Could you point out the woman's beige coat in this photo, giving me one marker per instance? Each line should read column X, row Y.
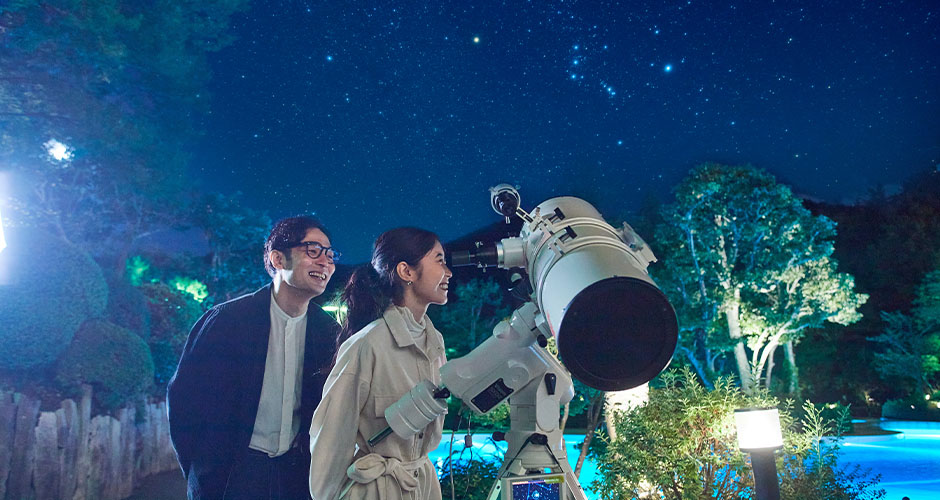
column 374, row 368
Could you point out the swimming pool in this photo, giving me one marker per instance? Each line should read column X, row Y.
column 909, row 462
column 484, row 447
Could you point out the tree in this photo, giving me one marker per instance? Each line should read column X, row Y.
column 236, row 236
column 749, row 268
column 100, row 100
column 911, row 343
column 804, row 296
column 470, row 319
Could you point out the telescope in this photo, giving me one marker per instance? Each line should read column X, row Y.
column 587, row 286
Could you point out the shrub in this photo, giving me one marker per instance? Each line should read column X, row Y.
column 172, row 314
column 682, row 445
column 41, row 312
column 471, row 476
column 813, row 471
column 127, row 307
column 114, row 360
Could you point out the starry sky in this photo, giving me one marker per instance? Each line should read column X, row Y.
column 376, row 114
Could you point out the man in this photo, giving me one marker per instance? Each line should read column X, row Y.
column 251, row 374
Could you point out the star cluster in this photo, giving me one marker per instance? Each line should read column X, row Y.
column 379, row 114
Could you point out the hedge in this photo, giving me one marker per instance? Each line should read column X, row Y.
column 115, row 361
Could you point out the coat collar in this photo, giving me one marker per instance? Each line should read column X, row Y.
column 396, row 325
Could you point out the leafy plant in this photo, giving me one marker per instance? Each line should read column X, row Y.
column 173, row 313
column 682, row 445
column 468, row 474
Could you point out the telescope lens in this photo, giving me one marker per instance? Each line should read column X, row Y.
column 617, row 334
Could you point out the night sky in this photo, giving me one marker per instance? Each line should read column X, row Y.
column 380, row 114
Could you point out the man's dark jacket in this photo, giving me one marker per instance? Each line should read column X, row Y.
column 213, row 398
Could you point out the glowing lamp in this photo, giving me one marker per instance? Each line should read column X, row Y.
column 759, row 435
column 758, row 429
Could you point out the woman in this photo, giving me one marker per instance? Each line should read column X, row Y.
column 388, row 346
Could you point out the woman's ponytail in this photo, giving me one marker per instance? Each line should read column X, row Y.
column 365, row 299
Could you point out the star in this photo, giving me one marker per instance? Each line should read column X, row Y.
column 668, row 68
column 476, row 39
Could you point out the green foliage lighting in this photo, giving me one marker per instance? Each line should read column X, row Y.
column 191, row 286
column 172, row 314
column 137, row 268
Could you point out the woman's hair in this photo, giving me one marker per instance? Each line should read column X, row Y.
column 372, row 288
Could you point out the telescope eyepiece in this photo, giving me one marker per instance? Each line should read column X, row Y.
column 481, row 255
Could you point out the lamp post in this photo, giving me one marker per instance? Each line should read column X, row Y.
column 759, row 435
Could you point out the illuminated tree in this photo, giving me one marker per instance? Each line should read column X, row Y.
column 748, row 269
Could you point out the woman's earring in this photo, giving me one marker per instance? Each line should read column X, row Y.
column 408, row 283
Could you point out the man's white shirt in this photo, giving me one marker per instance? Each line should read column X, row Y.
column 278, row 420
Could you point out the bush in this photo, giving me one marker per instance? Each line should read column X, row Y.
column 172, row 314
column 42, row 310
column 127, row 307
column 114, row 360
column 471, row 476
column 813, row 470
column 682, row 444
column 912, row 408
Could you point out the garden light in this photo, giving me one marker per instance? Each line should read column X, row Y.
column 759, row 435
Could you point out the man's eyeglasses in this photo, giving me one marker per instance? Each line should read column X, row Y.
column 315, row 249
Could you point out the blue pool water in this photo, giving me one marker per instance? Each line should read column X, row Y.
column 909, row 462
column 484, row 447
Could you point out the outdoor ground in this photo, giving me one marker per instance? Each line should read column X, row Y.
column 165, row 486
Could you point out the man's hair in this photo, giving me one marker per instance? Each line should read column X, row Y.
column 287, row 233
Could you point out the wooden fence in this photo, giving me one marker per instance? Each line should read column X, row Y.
column 68, row 454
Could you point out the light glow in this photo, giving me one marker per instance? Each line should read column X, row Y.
column 57, row 150
column 3, row 241
column 758, row 429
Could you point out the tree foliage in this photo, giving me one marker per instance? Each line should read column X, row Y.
column 121, row 84
column 910, row 353
column 236, row 235
column 173, row 313
column 48, row 302
column 749, row 269
column 469, row 320
column 114, row 360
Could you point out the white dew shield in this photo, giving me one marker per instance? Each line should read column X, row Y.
column 615, row 329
